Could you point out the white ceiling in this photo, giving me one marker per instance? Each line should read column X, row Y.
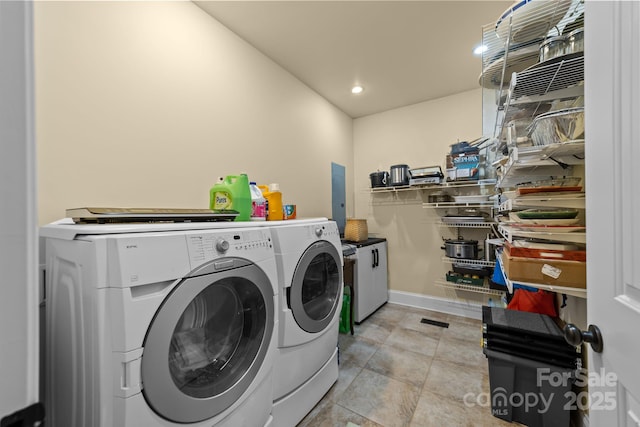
column 402, row 52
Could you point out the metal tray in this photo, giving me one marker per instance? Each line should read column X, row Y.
column 547, row 214
column 460, row 219
column 94, row 215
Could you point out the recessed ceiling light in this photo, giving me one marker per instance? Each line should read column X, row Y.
column 357, row 89
column 480, row 49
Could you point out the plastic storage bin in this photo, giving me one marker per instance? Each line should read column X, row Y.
column 528, row 391
column 531, row 367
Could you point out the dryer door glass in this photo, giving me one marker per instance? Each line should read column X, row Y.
column 207, row 343
column 320, row 286
column 316, row 287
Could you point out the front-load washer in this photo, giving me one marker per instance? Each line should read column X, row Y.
column 309, row 261
column 159, row 328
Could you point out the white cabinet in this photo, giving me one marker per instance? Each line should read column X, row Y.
column 370, row 282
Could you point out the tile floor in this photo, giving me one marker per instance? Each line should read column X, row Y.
column 397, row 371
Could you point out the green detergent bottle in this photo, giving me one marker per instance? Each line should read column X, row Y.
column 232, row 192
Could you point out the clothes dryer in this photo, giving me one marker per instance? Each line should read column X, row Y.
column 310, row 280
column 160, row 325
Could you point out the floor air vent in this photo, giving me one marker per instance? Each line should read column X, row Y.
column 435, row 323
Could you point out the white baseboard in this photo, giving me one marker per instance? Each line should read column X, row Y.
column 458, row 308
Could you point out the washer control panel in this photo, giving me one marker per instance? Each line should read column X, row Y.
column 204, row 247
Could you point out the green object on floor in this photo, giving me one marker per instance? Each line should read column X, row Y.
column 345, row 314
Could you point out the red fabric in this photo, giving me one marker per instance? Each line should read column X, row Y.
column 542, row 302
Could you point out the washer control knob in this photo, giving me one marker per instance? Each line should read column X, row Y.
column 222, row 245
column 318, row 232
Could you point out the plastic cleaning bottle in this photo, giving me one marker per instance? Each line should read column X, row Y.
column 274, row 201
column 258, row 203
column 264, row 189
column 232, row 192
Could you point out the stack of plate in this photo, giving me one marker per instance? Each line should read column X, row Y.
column 554, row 185
column 546, row 216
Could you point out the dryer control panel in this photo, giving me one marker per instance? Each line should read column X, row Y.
column 325, row 231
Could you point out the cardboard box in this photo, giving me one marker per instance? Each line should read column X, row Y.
column 466, row 165
column 289, row 211
column 572, row 274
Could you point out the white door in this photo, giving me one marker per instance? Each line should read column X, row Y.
column 18, row 224
column 612, row 101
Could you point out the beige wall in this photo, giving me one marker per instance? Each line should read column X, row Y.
column 144, row 104
column 417, row 135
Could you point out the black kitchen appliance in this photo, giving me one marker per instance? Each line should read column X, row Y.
column 379, row 179
column 472, row 270
column 466, row 249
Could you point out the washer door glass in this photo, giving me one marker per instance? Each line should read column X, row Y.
column 210, row 335
column 207, row 343
column 316, row 287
